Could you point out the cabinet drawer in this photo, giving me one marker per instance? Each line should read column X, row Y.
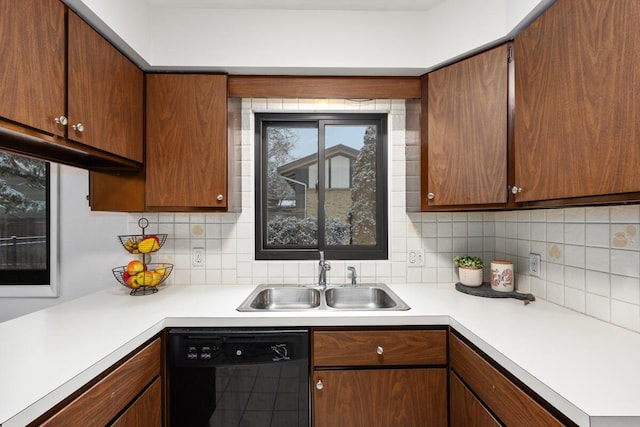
column 99, row 404
column 389, row 347
column 510, row 403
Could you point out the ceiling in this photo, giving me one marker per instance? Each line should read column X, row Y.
column 372, row 5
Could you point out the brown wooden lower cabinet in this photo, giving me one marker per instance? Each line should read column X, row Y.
column 145, row 411
column 131, row 394
column 380, row 397
column 379, row 378
column 506, row 400
column 465, row 410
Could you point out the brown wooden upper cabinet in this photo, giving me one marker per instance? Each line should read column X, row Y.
column 577, row 122
column 464, row 132
column 32, row 69
column 186, row 146
column 106, row 94
column 100, row 105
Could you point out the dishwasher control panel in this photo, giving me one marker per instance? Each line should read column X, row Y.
column 204, row 347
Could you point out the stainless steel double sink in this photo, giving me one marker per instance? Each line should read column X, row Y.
column 294, row 297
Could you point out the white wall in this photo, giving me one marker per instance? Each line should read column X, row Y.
column 128, row 19
column 353, row 42
column 346, row 42
column 89, row 247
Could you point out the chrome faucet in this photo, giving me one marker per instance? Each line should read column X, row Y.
column 353, row 275
column 323, row 267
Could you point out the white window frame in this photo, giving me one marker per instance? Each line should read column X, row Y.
column 51, row 289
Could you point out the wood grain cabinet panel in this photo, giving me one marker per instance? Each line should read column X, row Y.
column 371, row 348
column 577, row 105
column 32, row 69
column 379, row 378
column 108, row 397
column 464, row 132
column 146, row 411
column 186, row 147
column 505, row 399
column 465, row 410
column 106, row 94
column 380, row 398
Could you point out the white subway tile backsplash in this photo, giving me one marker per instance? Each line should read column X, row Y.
column 598, row 283
column 625, row 314
column 575, row 299
column 597, row 259
column 625, row 263
column 626, row 289
column 599, row 307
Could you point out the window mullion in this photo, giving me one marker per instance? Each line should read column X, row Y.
column 321, row 185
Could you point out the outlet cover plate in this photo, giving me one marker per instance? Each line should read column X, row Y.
column 197, row 257
column 534, row 264
column 415, row 258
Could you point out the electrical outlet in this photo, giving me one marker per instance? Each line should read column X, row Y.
column 416, row 258
column 534, row 264
column 197, row 257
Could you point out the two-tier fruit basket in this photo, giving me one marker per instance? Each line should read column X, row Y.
column 142, row 276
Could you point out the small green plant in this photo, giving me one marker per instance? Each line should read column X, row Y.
column 467, row 261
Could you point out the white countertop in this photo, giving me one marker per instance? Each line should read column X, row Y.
column 588, row 369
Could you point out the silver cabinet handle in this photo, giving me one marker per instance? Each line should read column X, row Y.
column 219, row 197
column 380, row 350
column 516, row 190
column 79, row 127
column 431, row 196
column 319, row 385
column 62, row 120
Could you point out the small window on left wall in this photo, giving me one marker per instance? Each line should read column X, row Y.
column 28, row 227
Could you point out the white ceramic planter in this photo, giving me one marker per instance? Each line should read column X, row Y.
column 470, row 276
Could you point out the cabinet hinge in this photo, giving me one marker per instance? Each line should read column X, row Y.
column 510, row 53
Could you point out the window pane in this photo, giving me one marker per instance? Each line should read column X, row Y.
column 23, row 220
column 292, row 178
column 350, row 181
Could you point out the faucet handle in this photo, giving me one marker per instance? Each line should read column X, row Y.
column 352, row 269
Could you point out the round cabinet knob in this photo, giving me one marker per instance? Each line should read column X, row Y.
column 62, row 120
column 380, row 350
column 516, row 190
column 431, row 196
column 78, row 128
column 319, row 385
column 219, row 197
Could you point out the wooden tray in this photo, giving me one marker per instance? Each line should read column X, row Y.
column 485, row 291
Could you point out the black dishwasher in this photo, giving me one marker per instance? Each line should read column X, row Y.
column 238, row 377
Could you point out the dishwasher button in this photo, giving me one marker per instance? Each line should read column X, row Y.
column 192, row 353
column 205, row 353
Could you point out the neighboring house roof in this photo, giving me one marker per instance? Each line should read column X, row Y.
column 336, row 150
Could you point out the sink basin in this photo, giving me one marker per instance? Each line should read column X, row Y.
column 283, row 298
column 311, row 297
column 363, row 298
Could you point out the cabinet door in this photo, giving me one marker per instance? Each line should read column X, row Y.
column 380, row 398
column 106, row 94
column 186, row 152
column 464, row 153
column 577, row 108
column 465, row 410
column 505, row 399
column 146, row 411
column 32, row 71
